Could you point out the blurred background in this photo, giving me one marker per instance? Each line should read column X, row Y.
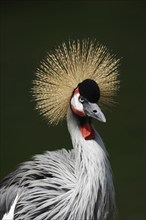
column 28, row 30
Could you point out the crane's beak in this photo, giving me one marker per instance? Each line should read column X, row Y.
column 93, row 110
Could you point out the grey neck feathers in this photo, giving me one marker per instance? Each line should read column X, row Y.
column 95, row 186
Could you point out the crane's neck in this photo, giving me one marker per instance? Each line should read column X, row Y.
column 78, row 127
column 92, row 170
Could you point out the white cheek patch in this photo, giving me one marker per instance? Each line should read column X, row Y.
column 77, row 107
column 75, row 102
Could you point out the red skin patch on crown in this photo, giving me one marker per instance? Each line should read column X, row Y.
column 76, row 91
column 87, row 132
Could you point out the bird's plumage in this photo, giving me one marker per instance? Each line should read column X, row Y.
column 75, row 184
column 67, row 66
column 64, row 185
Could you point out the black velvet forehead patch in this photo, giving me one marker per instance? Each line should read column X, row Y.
column 89, row 89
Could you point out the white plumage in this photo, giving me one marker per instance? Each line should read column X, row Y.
column 10, row 214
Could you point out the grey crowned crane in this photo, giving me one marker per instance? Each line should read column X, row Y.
column 75, row 82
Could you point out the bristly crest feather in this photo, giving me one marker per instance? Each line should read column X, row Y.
column 62, row 70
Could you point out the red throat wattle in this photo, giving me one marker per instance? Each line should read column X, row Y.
column 87, row 132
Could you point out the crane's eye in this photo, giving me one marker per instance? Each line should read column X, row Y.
column 81, row 100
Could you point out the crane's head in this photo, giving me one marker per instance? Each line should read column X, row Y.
column 81, row 74
column 84, row 100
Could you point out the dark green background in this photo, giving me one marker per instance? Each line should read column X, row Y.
column 28, row 30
